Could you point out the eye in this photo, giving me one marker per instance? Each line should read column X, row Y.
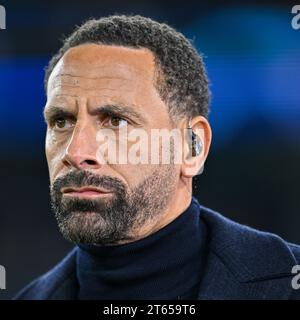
column 61, row 124
column 117, row 122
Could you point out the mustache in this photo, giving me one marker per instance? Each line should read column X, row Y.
column 81, row 178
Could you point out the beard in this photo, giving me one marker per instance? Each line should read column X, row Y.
column 114, row 219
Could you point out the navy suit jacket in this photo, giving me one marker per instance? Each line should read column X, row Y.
column 242, row 263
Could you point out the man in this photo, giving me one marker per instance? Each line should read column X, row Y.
column 138, row 231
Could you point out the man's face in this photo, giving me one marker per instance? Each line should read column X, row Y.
column 91, row 88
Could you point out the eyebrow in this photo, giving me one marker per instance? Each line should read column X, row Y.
column 125, row 111
column 52, row 112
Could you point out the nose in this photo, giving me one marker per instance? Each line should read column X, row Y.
column 81, row 150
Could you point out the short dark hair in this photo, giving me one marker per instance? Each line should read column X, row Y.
column 181, row 78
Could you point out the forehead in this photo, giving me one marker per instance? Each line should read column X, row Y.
column 93, row 75
column 91, row 65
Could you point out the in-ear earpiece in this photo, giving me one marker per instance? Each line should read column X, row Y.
column 196, row 145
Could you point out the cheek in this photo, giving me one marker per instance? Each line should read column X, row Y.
column 133, row 174
column 49, row 146
column 54, row 154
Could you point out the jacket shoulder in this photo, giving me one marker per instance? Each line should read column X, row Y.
column 58, row 283
column 296, row 251
column 245, row 263
column 249, row 253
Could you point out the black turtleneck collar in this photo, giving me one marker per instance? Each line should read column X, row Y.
column 167, row 264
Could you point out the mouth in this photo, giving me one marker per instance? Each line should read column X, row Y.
column 85, row 192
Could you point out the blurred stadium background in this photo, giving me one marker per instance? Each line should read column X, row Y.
column 252, row 173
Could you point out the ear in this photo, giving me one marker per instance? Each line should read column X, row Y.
column 191, row 165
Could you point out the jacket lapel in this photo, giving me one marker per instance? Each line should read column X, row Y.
column 219, row 283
